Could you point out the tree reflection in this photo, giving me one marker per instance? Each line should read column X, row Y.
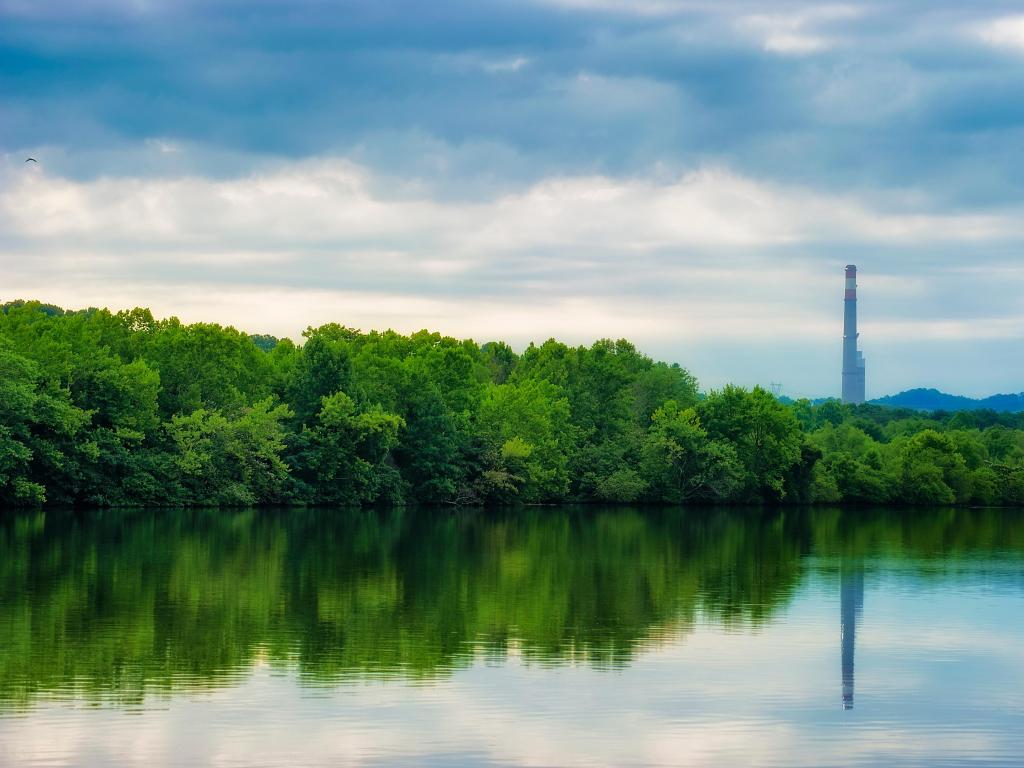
column 115, row 605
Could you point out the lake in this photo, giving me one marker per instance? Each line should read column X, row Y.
column 547, row 636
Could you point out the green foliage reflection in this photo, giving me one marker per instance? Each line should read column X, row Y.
column 118, row 605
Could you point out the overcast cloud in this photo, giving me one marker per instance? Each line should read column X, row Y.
column 692, row 175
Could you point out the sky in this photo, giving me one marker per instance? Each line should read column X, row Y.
column 689, row 174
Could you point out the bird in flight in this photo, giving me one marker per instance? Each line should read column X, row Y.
column 32, row 160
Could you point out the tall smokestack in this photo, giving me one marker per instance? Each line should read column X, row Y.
column 853, row 360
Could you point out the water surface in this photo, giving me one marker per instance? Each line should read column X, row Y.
column 555, row 636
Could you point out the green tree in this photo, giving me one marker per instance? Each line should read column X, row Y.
column 231, row 461
column 931, row 470
column 18, row 379
column 764, row 434
column 323, row 368
column 528, row 424
column 681, row 463
column 346, row 452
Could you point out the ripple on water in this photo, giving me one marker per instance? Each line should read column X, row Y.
column 675, row 638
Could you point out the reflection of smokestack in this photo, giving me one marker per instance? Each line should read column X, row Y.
column 851, row 605
column 853, row 361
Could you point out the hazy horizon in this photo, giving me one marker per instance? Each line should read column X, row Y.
column 691, row 176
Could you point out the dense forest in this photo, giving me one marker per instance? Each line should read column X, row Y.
column 112, row 409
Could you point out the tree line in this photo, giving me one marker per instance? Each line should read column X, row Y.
column 113, row 409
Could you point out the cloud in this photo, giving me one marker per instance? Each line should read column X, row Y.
column 325, row 202
column 797, row 33
column 506, row 65
column 711, row 258
column 629, row 7
column 641, row 159
column 684, row 83
column 1006, row 32
column 164, row 146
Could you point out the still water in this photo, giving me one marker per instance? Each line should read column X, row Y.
column 544, row 637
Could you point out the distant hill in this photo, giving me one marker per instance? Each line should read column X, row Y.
column 933, row 400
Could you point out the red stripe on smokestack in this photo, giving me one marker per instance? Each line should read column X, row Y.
column 851, row 293
column 851, row 270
